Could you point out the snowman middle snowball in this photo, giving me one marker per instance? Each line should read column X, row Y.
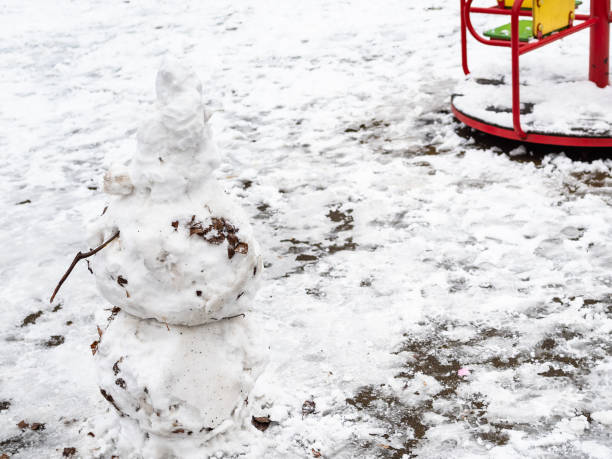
column 186, row 254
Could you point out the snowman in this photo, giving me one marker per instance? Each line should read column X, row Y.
column 178, row 358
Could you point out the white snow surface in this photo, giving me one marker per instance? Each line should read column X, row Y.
column 399, row 248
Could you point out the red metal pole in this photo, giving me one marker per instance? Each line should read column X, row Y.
column 600, row 43
column 516, row 98
column 464, row 60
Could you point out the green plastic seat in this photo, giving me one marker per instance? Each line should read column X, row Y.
column 503, row 32
column 525, row 29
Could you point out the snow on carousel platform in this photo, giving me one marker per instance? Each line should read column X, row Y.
column 553, row 109
column 540, row 103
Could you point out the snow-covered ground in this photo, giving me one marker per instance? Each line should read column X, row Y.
column 398, row 248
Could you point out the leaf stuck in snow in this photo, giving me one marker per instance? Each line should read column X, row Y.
column 69, row 452
column 308, row 407
column 261, row 423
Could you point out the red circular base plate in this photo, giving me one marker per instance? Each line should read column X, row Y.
column 546, row 139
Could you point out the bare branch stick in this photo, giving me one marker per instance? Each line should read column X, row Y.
column 79, row 256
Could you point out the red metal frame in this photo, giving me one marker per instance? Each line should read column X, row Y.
column 600, row 43
column 533, row 137
column 598, row 21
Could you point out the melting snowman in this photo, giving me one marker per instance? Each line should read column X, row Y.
column 178, row 358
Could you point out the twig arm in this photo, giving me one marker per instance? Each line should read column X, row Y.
column 79, row 256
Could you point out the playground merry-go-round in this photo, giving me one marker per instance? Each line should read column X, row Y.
column 547, row 107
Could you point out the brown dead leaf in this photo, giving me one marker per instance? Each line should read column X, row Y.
column 261, row 423
column 308, row 407
column 31, row 318
column 122, row 280
column 37, row 426
column 232, row 240
column 175, row 225
column 23, row 425
column 242, row 248
column 219, row 231
column 116, row 368
column 218, row 223
column 94, row 347
column 54, row 340
column 109, row 398
column 100, row 332
column 218, row 239
column 69, row 452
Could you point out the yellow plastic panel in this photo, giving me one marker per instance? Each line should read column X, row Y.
column 551, row 15
column 510, row 3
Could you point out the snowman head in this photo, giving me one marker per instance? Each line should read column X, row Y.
column 174, row 78
column 175, row 147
